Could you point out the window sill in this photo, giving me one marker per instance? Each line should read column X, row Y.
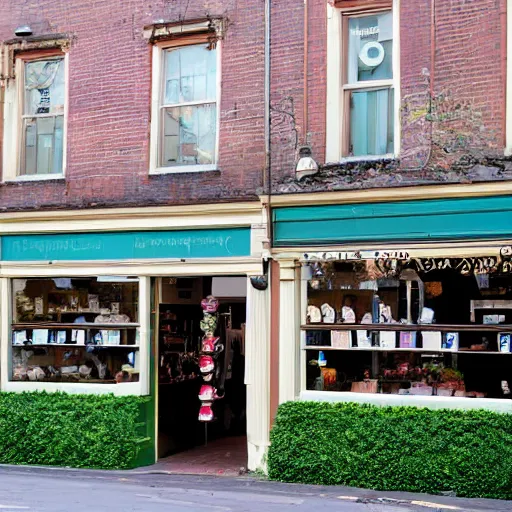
column 183, row 169
column 430, row 402
column 367, row 158
column 35, row 177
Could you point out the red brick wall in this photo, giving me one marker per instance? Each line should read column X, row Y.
column 109, row 103
column 468, row 85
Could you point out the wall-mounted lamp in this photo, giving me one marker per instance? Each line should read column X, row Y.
column 23, row 31
column 306, row 166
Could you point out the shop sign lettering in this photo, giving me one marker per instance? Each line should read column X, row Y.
column 355, row 255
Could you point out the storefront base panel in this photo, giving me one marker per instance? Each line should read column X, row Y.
column 430, row 402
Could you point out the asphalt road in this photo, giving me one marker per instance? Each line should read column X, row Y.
column 45, row 490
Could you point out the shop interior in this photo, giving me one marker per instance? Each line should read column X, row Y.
column 80, row 329
column 201, row 361
column 426, row 326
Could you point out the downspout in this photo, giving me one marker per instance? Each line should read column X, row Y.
column 268, row 160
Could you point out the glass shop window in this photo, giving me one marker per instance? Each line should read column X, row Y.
column 432, row 327
column 368, row 85
column 189, row 106
column 75, row 330
column 42, row 120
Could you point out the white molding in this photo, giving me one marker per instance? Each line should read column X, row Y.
column 257, row 375
column 144, row 334
column 124, row 389
column 5, row 330
column 35, row 177
column 508, row 93
column 430, row 402
column 158, row 267
column 183, row 169
column 334, row 85
column 134, row 219
column 289, row 333
column 12, row 132
column 397, row 78
column 410, row 193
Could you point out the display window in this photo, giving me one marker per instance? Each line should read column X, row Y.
column 409, row 326
column 75, row 330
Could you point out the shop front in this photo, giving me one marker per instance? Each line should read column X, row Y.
column 120, row 302
column 397, row 303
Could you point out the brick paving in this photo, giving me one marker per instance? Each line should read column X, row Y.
column 222, row 457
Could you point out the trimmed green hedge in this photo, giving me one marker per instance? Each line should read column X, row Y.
column 57, row 429
column 393, row 448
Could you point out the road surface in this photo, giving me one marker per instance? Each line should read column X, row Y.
column 51, row 490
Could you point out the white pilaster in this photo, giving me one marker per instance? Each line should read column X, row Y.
column 289, row 330
column 257, row 375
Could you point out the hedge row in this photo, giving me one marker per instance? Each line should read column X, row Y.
column 56, row 429
column 393, row 448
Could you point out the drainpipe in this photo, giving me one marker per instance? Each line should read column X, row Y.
column 268, row 171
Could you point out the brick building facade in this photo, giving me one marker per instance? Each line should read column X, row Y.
column 452, row 95
column 110, row 97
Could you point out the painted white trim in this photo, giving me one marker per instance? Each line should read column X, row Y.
column 156, row 121
column 218, row 266
column 508, row 93
column 35, row 177
column 135, row 219
column 144, row 334
column 257, row 375
column 184, row 169
column 12, row 133
column 335, row 86
column 430, row 402
column 397, row 77
column 333, row 119
column 124, row 389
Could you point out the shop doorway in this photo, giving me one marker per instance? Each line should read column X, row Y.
column 186, row 442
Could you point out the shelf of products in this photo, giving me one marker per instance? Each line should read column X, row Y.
column 75, row 330
column 394, row 327
column 397, row 349
column 406, row 327
column 81, row 325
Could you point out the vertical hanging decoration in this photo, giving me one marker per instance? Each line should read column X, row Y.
column 210, row 349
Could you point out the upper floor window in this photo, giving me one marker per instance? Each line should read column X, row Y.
column 363, row 78
column 368, row 85
column 42, row 117
column 34, row 111
column 185, row 119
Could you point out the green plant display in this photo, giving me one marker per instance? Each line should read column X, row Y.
column 57, row 429
column 393, row 448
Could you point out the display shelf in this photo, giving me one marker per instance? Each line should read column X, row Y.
column 72, row 345
column 399, row 349
column 85, row 325
column 408, row 327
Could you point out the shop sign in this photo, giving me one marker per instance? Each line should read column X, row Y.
column 355, row 255
column 200, row 243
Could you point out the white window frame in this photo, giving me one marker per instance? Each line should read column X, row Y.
column 337, row 115
column 508, row 92
column 13, row 121
column 158, row 70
